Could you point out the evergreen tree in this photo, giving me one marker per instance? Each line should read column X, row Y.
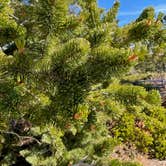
column 56, row 104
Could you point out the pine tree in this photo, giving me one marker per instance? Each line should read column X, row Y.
column 56, row 104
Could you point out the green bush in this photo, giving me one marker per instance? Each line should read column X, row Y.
column 118, row 163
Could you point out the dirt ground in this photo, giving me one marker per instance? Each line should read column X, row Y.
column 128, row 153
column 150, row 162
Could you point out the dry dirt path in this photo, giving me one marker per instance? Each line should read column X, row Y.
column 125, row 153
column 150, row 162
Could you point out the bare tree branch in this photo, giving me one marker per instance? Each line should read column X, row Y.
column 22, row 139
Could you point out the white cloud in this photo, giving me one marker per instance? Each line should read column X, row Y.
column 159, row 8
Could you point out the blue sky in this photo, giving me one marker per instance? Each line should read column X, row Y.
column 130, row 9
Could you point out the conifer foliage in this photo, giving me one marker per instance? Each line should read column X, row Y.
column 59, row 99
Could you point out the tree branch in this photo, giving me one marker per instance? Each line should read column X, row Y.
column 21, row 138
